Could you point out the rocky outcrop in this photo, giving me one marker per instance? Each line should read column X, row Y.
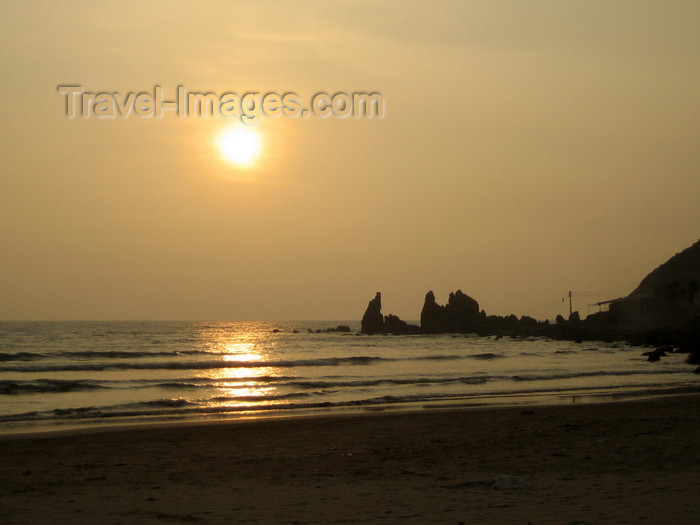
column 394, row 325
column 431, row 315
column 374, row 323
column 373, row 320
column 694, row 358
column 340, row 328
column 460, row 314
column 668, row 299
column 664, row 309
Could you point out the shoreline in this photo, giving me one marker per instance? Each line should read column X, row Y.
column 593, row 396
column 31, row 429
column 614, row 462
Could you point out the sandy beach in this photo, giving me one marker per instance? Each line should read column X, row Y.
column 627, row 462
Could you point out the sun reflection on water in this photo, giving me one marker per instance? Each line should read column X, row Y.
column 246, row 384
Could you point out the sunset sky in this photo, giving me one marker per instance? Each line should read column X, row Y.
column 527, row 148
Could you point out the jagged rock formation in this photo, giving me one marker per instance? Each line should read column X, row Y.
column 460, row 314
column 663, row 309
column 373, row 321
column 431, row 314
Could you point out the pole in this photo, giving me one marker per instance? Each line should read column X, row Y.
column 571, row 310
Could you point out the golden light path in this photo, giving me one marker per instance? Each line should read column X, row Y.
column 238, row 386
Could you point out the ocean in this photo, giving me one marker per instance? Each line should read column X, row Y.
column 59, row 374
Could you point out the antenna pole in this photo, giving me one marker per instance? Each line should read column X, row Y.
column 571, row 310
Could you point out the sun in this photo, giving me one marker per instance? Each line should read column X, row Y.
column 240, row 147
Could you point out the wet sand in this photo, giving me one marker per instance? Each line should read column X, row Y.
column 628, row 462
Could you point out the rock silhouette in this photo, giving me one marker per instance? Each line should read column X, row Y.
column 460, row 314
column 394, row 325
column 663, row 309
column 667, row 301
column 431, row 315
column 373, row 321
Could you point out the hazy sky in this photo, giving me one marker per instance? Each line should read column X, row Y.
column 528, row 148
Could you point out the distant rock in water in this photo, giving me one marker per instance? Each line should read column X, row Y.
column 460, row 314
column 694, row 358
column 431, row 315
column 339, row 328
column 394, row 325
column 373, row 320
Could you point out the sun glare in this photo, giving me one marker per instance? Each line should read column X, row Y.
column 240, row 147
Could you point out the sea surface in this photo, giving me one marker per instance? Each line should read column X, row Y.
column 58, row 374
